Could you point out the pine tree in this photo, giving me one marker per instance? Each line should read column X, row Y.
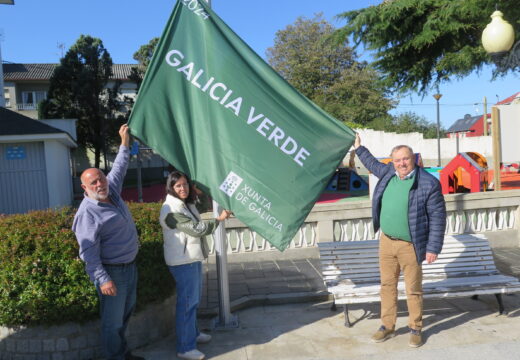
column 420, row 43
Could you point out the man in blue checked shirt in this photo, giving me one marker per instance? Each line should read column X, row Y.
column 108, row 244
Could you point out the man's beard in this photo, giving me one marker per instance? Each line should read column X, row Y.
column 98, row 197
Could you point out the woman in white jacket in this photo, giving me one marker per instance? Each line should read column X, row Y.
column 183, row 252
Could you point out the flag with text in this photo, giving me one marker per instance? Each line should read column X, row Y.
column 211, row 107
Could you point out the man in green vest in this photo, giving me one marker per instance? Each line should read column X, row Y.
column 408, row 206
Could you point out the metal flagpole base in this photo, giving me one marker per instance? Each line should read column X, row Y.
column 232, row 323
column 224, row 320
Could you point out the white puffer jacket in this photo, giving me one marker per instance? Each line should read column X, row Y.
column 176, row 241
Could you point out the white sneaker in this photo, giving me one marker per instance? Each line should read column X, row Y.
column 203, row 338
column 191, row 355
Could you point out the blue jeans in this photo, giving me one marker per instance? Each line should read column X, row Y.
column 116, row 310
column 188, row 279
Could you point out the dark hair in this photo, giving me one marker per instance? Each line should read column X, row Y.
column 175, row 176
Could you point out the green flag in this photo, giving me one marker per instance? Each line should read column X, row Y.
column 211, row 107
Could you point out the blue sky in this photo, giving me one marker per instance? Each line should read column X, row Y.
column 34, row 29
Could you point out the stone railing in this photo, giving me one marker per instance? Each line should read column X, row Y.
column 352, row 221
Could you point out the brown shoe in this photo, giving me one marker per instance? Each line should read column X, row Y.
column 383, row 334
column 415, row 338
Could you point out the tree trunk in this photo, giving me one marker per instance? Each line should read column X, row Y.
column 97, row 156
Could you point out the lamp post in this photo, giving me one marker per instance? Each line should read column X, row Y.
column 437, row 98
column 497, row 39
column 2, row 99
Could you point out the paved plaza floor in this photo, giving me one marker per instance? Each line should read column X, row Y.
column 454, row 329
column 306, row 328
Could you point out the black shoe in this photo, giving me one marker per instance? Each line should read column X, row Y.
column 130, row 356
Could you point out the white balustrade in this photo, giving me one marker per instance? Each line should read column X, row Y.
column 352, row 221
column 22, row 107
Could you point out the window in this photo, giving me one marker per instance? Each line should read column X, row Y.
column 30, row 99
column 7, row 97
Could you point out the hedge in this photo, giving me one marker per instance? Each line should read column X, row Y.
column 43, row 280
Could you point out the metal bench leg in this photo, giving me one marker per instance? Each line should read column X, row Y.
column 501, row 308
column 347, row 320
column 333, row 306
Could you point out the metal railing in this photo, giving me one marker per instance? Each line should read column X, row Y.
column 352, row 221
column 22, row 107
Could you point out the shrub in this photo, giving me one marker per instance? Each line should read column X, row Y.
column 43, row 280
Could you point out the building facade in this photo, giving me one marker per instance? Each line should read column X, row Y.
column 35, row 163
column 26, row 85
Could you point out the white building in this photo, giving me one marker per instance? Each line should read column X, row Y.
column 35, row 163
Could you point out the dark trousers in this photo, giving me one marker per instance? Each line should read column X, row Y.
column 116, row 310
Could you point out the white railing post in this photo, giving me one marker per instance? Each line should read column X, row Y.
column 325, row 230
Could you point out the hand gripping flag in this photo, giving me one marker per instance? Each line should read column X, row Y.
column 211, row 107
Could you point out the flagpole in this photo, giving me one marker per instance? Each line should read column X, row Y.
column 224, row 319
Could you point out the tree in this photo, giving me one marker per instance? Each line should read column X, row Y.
column 419, row 43
column 143, row 55
column 329, row 73
column 78, row 89
column 411, row 122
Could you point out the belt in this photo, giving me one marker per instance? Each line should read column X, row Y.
column 123, row 264
column 393, row 238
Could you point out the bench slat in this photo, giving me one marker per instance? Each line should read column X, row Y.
column 374, row 253
column 432, row 285
column 361, row 262
column 374, row 277
column 449, row 240
column 349, row 267
column 371, row 298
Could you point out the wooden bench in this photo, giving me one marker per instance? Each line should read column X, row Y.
column 465, row 267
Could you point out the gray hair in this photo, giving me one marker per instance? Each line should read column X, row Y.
column 399, row 147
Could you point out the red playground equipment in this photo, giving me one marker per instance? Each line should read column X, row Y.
column 467, row 172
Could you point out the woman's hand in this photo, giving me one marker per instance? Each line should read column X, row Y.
column 224, row 215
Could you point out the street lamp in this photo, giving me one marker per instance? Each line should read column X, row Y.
column 497, row 39
column 2, row 99
column 437, row 98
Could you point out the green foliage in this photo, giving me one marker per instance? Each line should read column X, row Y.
column 406, row 123
column 328, row 73
column 143, row 55
column 155, row 282
column 78, row 90
column 42, row 279
column 418, row 43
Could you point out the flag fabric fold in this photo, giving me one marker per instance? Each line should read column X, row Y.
column 210, row 106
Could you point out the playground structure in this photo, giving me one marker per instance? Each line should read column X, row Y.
column 346, row 179
column 467, row 172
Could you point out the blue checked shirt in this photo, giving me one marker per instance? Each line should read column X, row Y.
column 106, row 232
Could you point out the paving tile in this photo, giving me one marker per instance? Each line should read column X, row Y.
column 272, row 274
column 269, row 265
column 284, row 263
column 253, row 274
column 251, row 266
